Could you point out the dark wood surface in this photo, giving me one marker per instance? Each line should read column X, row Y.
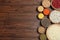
column 18, row 19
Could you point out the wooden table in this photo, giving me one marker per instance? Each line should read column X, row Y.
column 18, row 19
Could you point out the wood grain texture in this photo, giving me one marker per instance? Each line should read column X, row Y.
column 18, row 19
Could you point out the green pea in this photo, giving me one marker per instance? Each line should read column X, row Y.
column 43, row 37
